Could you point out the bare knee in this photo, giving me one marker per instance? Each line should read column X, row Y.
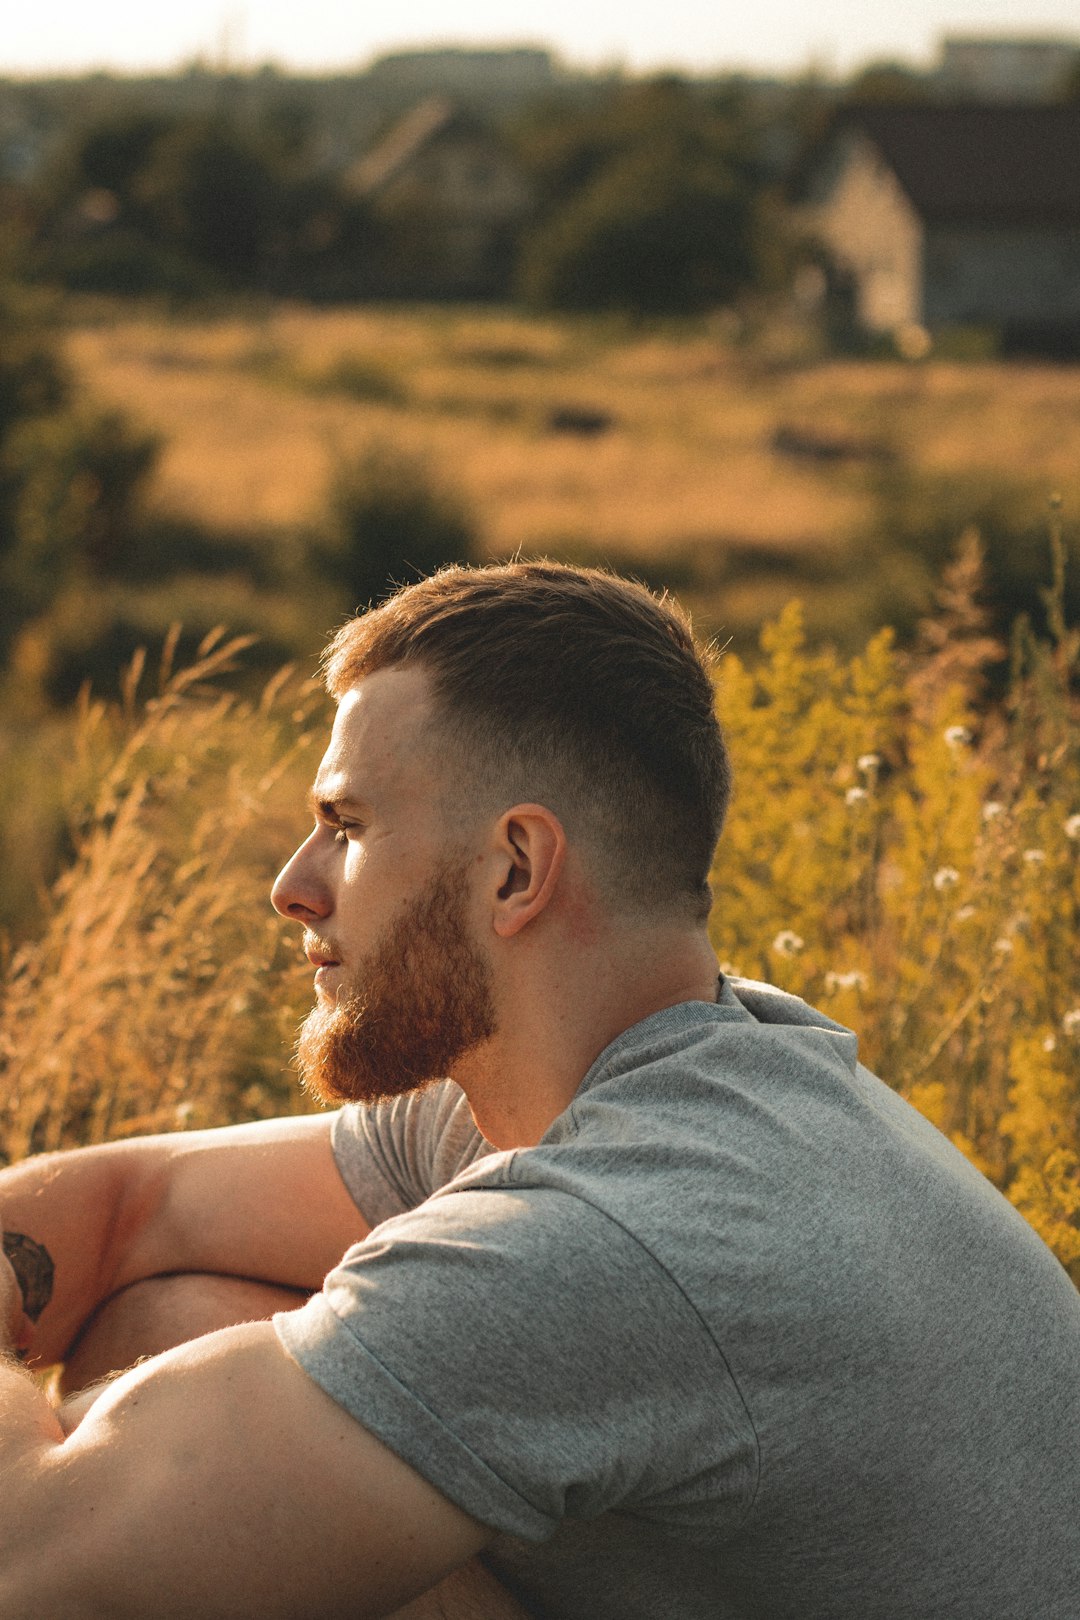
column 160, row 1312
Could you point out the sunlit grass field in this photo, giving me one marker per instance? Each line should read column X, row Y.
column 735, row 466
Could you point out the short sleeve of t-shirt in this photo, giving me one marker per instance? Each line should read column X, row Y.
column 395, row 1154
column 525, row 1353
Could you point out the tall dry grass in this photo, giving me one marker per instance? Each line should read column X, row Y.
column 900, row 851
column 906, row 857
column 162, row 991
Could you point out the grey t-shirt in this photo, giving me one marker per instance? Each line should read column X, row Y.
column 743, row 1335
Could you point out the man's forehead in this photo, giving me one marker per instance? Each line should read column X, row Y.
column 378, row 732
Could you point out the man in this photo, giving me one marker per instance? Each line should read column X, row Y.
column 663, row 1307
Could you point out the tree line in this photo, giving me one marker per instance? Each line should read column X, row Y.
column 650, row 196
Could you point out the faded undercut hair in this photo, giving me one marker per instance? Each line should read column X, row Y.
column 571, row 688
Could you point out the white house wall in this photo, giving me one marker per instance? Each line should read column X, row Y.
column 871, row 231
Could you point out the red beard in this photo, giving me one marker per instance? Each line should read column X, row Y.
column 424, row 1000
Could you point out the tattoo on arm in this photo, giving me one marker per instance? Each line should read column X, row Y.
column 32, row 1264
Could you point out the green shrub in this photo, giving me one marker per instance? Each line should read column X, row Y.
column 923, row 520
column 388, row 521
column 126, row 262
column 360, row 379
column 33, row 380
column 81, row 479
column 88, row 637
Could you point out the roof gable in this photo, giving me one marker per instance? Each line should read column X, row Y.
column 990, row 165
column 432, row 120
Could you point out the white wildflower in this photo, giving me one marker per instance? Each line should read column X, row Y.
column 844, row 981
column 787, row 943
column 1034, row 857
column 957, row 736
column 965, row 913
column 868, row 763
column 182, row 1113
column 856, row 795
column 992, row 809
column 1072, row 827
column 1050, row 1043
column 945, row 877
column 1071, row 1021
column 1003, row 945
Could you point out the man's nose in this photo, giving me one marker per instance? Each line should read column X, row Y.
column 299, row 892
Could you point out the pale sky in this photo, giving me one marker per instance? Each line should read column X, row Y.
column 699, row 35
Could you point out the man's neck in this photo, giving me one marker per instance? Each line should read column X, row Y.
column 554, row 1028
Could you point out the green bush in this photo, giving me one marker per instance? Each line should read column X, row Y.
column 126, row 262
column 89, row 636
column 71, row 480
column 388, row 522
column 81, row 477
column 358, row 378
column 923, row 519
column 33, row 380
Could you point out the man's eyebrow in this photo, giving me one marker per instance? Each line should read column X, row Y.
column 324, row 808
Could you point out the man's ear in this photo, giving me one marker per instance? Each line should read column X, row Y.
column 530, row 850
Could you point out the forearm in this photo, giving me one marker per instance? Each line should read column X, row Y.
column 67, row 1214
column 263, row 1201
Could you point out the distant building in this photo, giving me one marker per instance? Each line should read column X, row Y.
column 449, row 200
column 938, row 215
column 24, row 135
column 1006, row 69
column 512, row 72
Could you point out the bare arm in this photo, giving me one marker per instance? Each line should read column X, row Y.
column 263, row 1201
column 227, row 1447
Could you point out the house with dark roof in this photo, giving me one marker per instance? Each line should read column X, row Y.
column 448, row 199
column 948, row 215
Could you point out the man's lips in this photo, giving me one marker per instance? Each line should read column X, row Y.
column 323, row 976
column 323, row 961
column 319, row 953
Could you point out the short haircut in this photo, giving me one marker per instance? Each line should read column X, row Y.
column 571, row 688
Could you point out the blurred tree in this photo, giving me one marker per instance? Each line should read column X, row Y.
column 645, row 235
column 73, row 485
column 653, row 202
column 139, row 201
column 107, row 155
column 34, row 387
column 211, row 193
column 889, row 81
column 81, row 478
